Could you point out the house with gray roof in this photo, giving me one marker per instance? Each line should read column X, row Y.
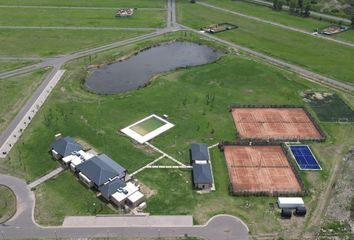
column 64, row 147
column 99, row 170
column 108, row 189
column 202, row 176
column 199, row 152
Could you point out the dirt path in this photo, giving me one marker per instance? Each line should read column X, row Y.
column 323, row 199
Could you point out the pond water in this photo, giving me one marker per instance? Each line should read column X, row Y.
column 137, row 70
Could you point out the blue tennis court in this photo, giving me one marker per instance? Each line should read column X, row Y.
column 304, row 157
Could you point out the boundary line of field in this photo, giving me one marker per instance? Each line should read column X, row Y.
column 78, row 8
column 81, row 28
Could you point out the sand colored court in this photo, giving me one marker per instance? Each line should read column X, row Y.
column 276, row 123
column 260, row 169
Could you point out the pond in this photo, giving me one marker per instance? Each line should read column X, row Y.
column 137, row 70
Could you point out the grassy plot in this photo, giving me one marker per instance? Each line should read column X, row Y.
column 322, row 56
column 79, row 18
column 329, row 107
column 34, row 42
column 7, row 203
column 147, row 126
column 11, row 65
column 85, row 3
column 57, row 192
column 15, row 91
column 263, row 12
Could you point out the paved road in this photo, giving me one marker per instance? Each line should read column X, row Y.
column 312, row 13
column 81, row 28
column 294, row 68
column 277, row 24
column 22, row 225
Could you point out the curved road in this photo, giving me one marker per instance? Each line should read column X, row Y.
column 22, row 224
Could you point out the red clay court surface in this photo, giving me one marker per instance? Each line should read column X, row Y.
column 276, row 123
column 260, row 169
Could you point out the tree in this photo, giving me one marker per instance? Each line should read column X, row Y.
column 292, row 6
column 278, row 5
column 307, row 8
column 192, row 1
column 352, row 18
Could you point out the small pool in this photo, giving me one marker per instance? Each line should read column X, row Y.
column 136, row 71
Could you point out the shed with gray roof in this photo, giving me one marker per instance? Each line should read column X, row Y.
column 202, row 176
column 199, row 152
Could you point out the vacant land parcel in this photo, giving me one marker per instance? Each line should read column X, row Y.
column 59, row 17
column 85, row 3
column 274, row 123
column 329, row 107
column 260, row 169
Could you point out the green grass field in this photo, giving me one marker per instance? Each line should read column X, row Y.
column 85, row 3
column 57, row 191
column 7, row 203
column 11, row 65
column 15, row 91
column 147, row 126
column 34, row 42
column 322, row 56
column 79, row 18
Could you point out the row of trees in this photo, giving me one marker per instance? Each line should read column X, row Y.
column 297, row 7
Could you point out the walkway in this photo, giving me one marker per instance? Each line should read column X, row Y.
column 46, row 177
column 129, row 221
column 277, row 24
column 165, row 154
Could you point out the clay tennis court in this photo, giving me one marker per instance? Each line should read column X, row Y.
column 275, row 123
column 260, row 169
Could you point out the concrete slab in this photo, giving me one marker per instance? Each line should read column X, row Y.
column 128, row 221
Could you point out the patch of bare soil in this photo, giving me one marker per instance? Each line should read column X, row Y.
column 148, row 192
column 339, row 204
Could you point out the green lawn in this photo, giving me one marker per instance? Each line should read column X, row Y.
column 34, row 42
column 15, row 91
column 283, row 17
column 7, row 203
column 7, row 65
column 235, row 78
column 79, row 18
column 57, row 191
column 147, row 126
column 91, row 3
column 322, row 56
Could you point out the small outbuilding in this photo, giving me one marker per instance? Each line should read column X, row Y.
column 64, row 147
column 202, row 176
column 286, row 213
column 300, row 211
column 199, row 153
column 290, row 202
